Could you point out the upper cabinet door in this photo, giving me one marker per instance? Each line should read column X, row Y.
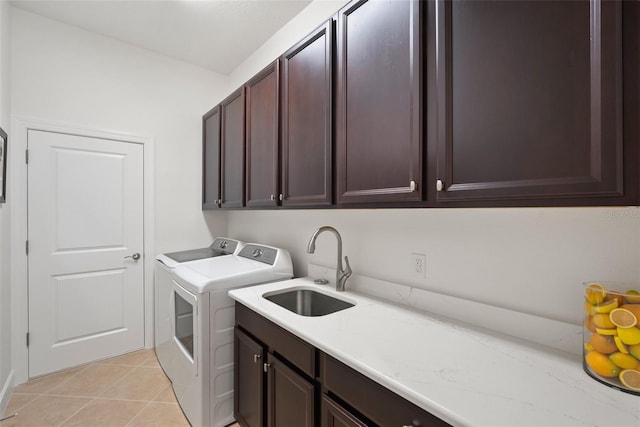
column 528, row 100
column 232, row 150
column 211, row 159
column 263, row 101
column 378, row 108
column 307, row 120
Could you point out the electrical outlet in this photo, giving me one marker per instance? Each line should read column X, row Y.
column 419, row 265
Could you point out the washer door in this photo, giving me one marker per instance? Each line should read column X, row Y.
column 185, row 326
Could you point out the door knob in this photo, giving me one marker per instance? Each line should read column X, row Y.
column 135, row 256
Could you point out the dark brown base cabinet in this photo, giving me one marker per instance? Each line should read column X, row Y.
column 282, row 381
column 249, row 384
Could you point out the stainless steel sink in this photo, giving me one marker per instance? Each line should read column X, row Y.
column 307, row 302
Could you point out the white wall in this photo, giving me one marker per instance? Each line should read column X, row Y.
column 64, row 74
column 529, row 259
column 5, row 286
column 533, row 260
column 302, row 24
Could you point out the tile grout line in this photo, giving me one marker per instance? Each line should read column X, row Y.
column 79, row 409
column 136, row 414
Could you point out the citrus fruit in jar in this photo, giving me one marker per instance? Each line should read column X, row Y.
column 634, row 308
column 630, row 378
column 624, row 361
column 634, row 350
column 602, row 321
column 595, row 293
column 632, row 296
column 622, row 347
column 623, row 318
column 601, row 364
column 616, row 295
column 603, row 344
column 588, row 324
column 606, row 306
column 629, row 336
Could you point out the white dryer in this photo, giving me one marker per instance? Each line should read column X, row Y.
column 163, row 295
column 203, row 343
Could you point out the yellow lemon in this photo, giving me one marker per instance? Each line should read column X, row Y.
column 629, row 336
column 624, row 361
column 595, row 293
column 617, row 295
column 634, row 350
column 607, row 331
column 623, row 318
column 606, row 306
column 601, row 364
column 630, row 378
column 621, row 346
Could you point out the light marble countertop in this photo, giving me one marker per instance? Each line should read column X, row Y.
column 466, row 376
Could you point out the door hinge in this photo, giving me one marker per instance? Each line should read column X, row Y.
column 27, row 339
column 26, row 247
column 26, row 156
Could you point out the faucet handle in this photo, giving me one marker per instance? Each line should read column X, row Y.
column 347, row 271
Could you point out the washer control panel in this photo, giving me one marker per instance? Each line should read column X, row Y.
column 260, row 253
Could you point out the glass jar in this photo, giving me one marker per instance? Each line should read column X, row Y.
column 611, row 334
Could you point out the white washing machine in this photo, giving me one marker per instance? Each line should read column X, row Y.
column 163, row 295
column 203, row 343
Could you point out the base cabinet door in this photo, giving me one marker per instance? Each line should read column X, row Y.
column 249, row 384
column 290, row 397
column 334, row 415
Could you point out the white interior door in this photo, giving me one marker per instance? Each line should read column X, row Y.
column 85, row 221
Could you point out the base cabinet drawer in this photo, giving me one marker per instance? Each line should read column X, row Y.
column 335, row 415
column 379, row 405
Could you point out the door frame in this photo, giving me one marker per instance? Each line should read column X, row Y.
column 18, row 234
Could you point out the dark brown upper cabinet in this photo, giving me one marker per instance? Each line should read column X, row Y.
column 527, row 103
column 307, row 132
column 211, row 159
column 263, row 114
column 378, row 102
column 232, row 150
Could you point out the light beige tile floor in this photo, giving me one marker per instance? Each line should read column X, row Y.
column 128, row 390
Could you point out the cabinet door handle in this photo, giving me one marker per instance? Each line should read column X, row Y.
column 281, row 197
column 413, row 186
column 273, row 198
column 266, row 367
column 439, row 185
column 256, row 357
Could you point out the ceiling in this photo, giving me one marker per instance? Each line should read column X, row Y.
column 214, row 34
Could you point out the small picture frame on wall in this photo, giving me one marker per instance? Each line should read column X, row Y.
column 3, row 166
